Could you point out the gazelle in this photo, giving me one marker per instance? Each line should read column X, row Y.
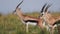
column 29, row 19
column 49, row 19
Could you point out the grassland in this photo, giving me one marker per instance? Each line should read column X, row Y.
column 11, row 24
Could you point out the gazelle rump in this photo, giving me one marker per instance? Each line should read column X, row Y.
column 29, row 19
column 49, row 19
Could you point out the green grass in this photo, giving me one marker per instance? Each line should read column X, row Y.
column 11, row 24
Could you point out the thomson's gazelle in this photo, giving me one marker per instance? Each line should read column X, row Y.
column 29, row 19
column 49, row 19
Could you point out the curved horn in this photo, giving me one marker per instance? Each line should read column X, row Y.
column 47, row 8
column 19, row 4
column 43, row 7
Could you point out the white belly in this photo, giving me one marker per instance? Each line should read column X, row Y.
column 30, row 23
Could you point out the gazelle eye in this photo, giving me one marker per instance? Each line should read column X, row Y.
column 42, row 14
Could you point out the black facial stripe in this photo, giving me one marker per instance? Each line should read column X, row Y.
column 33, row 21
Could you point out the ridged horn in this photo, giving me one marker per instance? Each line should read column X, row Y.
column 47, row 7
column 43, row 7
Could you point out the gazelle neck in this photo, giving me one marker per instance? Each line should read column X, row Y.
column 19, row 13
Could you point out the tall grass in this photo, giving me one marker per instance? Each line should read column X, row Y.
column 11, row 24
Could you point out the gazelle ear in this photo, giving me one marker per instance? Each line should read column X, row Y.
column 43, row 7
column 47, row 7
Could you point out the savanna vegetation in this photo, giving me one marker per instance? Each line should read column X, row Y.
column 11, row 24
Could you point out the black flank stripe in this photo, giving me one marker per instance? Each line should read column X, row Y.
column 57, row 22
column 33, row 21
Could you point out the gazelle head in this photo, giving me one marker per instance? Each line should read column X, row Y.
column 17, row 8
column 46, row 16
column 44, row 12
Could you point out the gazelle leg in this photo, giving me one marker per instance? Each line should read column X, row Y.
column 26, row 27
column 52, row 30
